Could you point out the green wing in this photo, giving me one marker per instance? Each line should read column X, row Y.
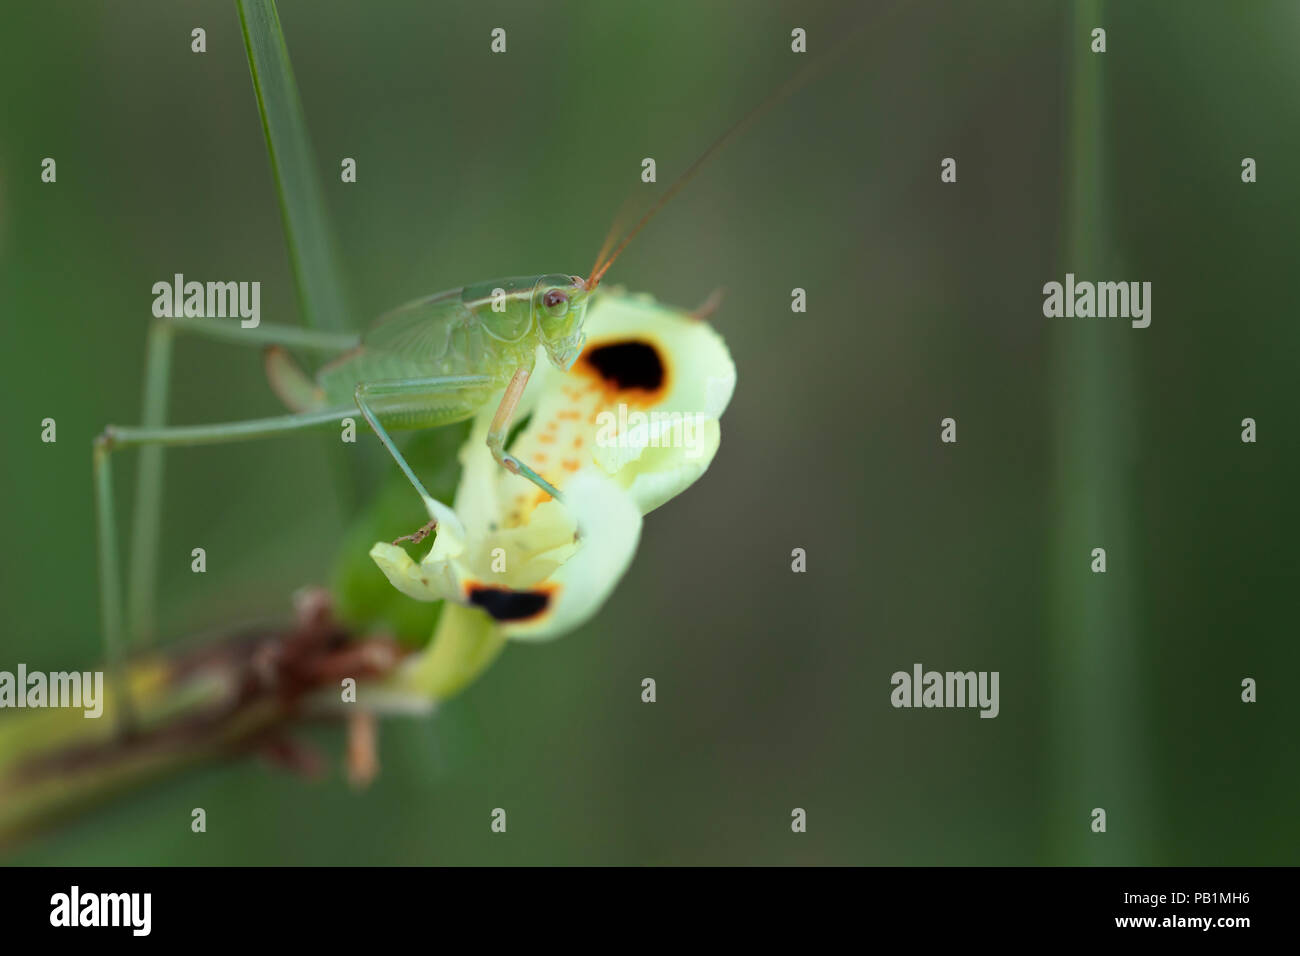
column 421, row 331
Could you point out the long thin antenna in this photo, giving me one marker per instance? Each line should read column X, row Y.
column 610, row 237
column 804, row 75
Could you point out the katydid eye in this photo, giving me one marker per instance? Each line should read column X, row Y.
column 556, row 303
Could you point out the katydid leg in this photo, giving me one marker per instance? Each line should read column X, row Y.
column 501, row 429
column 110, row 583
column 142, row 570
column 266, row 333
column 451, row 394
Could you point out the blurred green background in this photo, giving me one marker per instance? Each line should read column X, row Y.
column 925, row 301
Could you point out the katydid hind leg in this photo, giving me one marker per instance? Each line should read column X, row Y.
column 142, row 567
column 110, row 584
column 264, row 334
column 115, row 631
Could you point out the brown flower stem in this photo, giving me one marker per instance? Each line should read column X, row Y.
column 224, row 698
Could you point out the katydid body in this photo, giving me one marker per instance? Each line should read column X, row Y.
column 429, row 363
column 438, row 360
column 491, row 328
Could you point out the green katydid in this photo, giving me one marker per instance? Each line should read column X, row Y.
column 433, row 362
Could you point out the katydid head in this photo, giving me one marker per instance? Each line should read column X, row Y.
column 560, row 305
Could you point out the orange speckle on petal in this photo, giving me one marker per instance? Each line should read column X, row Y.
column 570, row 464
column 571, row 414
column 544, row 437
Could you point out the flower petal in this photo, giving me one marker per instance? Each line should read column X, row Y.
column 434, row 578
column 609, row 527
column 652, row 356
column 643, row 361
column 656, row 467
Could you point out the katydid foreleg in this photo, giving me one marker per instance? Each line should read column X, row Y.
column 496, row 440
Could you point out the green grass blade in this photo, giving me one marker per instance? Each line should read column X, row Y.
column 1097, row 717
column 302, row 204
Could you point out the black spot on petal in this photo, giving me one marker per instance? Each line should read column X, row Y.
column 627, row 365
column 507, row 605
